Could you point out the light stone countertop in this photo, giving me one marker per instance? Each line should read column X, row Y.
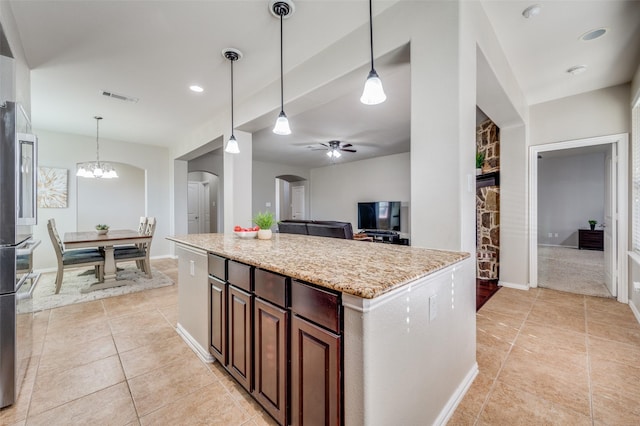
column 360, row 268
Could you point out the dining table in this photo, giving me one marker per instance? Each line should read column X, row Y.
column 106, row 241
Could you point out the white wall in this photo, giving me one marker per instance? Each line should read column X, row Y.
column 571, row 191
column 634, row 272
column 118, row 203
column 336, row 190
column 264, row 184
column 597, row 113
column 64, row 150
column 212, row 162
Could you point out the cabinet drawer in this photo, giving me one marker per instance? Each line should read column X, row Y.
column 239, row 275
column 319, row 306
column 271, row 287
column 217, row 266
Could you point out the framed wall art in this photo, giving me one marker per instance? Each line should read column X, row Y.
column 52, row 187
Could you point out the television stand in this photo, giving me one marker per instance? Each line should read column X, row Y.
column 388, row 237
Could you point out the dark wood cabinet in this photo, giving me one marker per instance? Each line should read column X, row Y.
column 218, row 319
column 591, row 240
column 239, row 328
column 315, row 374
column 270, row 358
column 280, row 339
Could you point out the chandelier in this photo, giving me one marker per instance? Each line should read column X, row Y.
column 97, row 169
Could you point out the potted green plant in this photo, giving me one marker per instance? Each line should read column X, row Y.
column 102, row 229
column 592, row 224
column 479, row 162
column 264, row 221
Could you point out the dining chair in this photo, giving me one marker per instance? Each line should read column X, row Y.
column 68, row 259
column 140, row 252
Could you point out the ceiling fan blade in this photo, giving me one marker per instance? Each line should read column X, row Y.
column 348, row 150
column 324, row 144
column 347, row 145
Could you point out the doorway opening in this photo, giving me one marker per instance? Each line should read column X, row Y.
column 572, row 184
column 202, row 203
column 291, row 198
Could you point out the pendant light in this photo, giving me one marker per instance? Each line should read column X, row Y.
column 232, row 55
column 282, row 9
column 97, row 169
column 373, row 92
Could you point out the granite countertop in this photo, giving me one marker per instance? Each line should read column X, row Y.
column 359, row 268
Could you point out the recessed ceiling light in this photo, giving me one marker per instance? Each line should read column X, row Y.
column 531, row 11
column 196, row 89
column 578, row 69
column 593, row 34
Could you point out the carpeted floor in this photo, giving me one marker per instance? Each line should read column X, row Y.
column 572, row 270
column 75, row 280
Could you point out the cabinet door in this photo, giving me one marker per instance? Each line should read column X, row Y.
column 270, row 358
column 218, row 319
column 239, row 334
column 315, row 374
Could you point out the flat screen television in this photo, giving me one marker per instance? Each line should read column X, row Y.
column 379, row 216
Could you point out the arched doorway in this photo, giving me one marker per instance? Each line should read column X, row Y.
column 118, row 203
column 202, row 202
column 291, row 198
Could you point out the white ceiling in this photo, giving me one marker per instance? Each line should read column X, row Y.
column 154, row 50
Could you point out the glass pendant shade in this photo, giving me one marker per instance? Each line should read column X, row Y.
column 373, row 92
column 282, row 125
column 232, row 146
column 334, row 153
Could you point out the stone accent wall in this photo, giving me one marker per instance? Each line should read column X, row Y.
column 488, row 204
column 488, row 232
column 488, row 141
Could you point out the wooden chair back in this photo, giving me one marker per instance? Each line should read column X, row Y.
column 55, row 239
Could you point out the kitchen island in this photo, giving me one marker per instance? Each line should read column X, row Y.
column 337, row 331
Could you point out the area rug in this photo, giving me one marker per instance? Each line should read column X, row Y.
column 75, row 280
column 572, row 270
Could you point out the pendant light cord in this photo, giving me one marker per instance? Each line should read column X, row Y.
column 231, row 96
column 371, row 32
column 98, row 141
column 281, row 67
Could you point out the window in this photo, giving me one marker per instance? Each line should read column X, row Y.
column 635, row 178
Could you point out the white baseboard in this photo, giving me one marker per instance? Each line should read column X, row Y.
column 635, row 310
column 456, row 398
column 202, row 353
column 513, row 285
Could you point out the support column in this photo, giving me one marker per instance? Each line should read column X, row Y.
column 237, row 183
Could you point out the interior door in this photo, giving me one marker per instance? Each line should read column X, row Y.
column 297, row 202
column 193, row 208
column 610, row 220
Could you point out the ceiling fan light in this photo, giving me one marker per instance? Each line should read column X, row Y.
column 282, row 125
column 336, row 154
column 373, row 92
column 232, row 146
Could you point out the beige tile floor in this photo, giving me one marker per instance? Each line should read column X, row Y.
column 552, row 358
column 545, row 358
column 119, row 361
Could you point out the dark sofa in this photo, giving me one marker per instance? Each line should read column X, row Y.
column 319, row 228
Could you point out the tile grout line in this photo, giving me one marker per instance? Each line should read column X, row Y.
column 586, row 341
column 495, row 380
column 124, row 374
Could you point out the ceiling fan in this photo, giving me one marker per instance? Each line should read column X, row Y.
column 335, row 147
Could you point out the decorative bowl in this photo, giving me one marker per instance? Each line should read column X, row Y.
column 247, row 234
column 101, row 231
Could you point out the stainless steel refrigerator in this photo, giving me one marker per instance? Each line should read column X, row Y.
column 18, row 162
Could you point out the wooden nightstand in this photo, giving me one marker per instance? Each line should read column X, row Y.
column 591, row 240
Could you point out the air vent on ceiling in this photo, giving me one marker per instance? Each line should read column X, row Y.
column 118, row 96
